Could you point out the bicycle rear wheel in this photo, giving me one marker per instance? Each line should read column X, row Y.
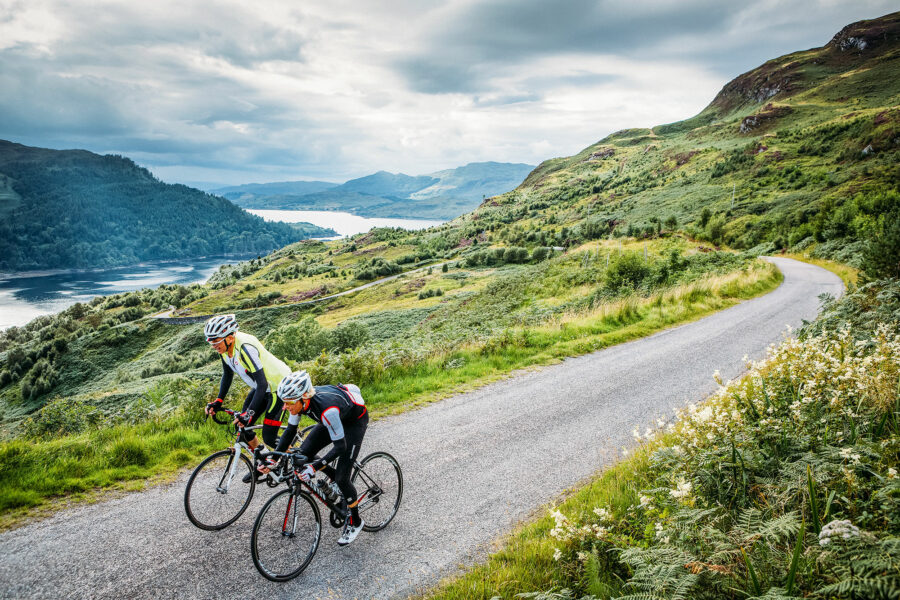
column 213, row 499
column 285, row 535
column 381, row 489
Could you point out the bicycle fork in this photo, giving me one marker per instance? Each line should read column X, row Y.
column 229, row 477
column 287, row 516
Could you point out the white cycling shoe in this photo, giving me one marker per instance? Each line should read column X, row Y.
column 350, row 533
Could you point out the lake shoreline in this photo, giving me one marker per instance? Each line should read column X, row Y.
column 344, row 223
column 52, row 272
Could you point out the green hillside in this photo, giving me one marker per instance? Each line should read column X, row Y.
column 76, row 209
column 801, row 151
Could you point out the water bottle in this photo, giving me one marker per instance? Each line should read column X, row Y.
column 333, row 493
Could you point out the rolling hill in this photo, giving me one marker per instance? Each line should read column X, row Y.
column 77, row 209
column 802, row 152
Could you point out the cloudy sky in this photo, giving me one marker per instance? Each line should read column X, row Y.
column 230, row 92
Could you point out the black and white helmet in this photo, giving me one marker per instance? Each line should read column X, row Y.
column 220, row 326
column 294, row 385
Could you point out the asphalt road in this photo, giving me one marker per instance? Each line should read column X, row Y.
column 474, row 465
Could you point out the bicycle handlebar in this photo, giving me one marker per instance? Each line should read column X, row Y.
column 227, row 411
column 298, row 459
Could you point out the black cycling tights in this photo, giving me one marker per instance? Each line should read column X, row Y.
column 271, row 421
column 318, row 438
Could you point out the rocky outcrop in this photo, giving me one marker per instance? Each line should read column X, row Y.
column 790, row 74
column 763, row 118
column 601, row 154
column 866, row 36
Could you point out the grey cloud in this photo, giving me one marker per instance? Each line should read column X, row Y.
column 117, row 33
column 510, row 32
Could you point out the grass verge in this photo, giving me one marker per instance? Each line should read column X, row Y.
column 34, row 476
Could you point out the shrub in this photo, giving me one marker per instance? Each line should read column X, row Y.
column 61, row 416
column 881, row 257
column 783, row 484
column 541, row 253
column 349, row 335
column 132, row 300
column 515, row 255
column 626, row 271
column 430, row 293
column 298, row 341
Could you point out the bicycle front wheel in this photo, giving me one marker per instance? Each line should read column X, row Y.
column 285, row 535
column 216, row 495
column 381, row 489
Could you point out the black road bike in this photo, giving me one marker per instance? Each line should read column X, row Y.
column 288, row 528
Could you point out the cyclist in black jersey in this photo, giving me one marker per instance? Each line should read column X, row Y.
column 342, row 418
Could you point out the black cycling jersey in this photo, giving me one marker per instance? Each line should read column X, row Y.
column 341, row 421
column 328, row 397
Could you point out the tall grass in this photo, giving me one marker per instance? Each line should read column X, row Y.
column 394, row 383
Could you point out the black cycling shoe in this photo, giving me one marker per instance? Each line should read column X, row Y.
column 260, row 477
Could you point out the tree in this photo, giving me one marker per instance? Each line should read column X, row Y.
column 881, row 256
column 671, row 223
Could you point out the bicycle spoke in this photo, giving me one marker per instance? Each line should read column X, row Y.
column 380, row 491
column 211, row 500
column 285, row 535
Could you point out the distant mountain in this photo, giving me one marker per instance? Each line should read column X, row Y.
column 276, row 188
column 77, row 209
column 441, row 195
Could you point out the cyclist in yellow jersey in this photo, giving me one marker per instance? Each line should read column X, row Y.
column 243, row 354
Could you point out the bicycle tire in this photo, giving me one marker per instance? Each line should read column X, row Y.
column 209, row 476
column 384, row 470
column 277, row 555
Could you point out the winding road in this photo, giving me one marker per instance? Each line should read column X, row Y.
column 474, row 465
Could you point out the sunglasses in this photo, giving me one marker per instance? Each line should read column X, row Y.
column 305, row 396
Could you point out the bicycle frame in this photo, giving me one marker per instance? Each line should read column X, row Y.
column 240, row 446
column 366, row 498
column 235, row 451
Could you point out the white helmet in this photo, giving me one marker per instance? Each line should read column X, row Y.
column 220, row 326
column 294, row 385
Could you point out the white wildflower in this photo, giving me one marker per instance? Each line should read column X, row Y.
column 557, row 554
column 646, row 501
column 892, row 473
column 603, row 514
column 682, row 490
column 835, row 529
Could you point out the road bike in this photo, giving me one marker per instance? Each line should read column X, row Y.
column 216, row 494
column 287, row 530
